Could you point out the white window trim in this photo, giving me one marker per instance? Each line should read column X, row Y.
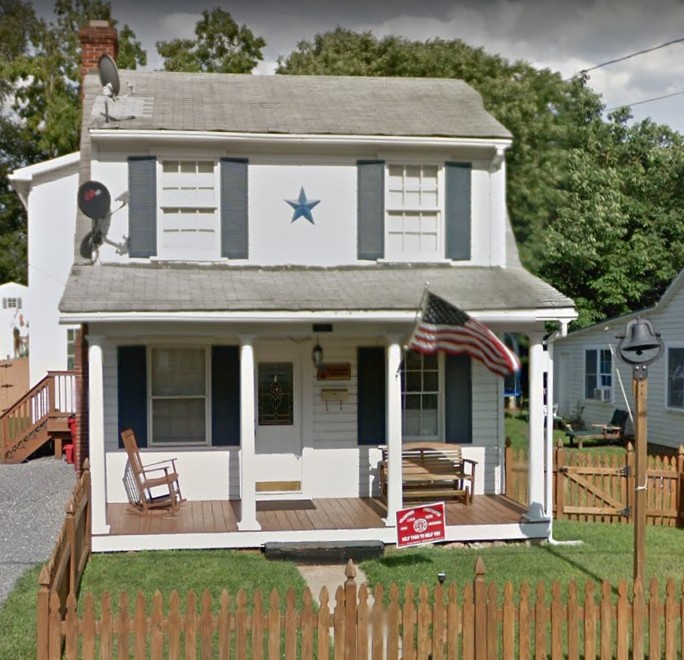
column 441, row 407
column 184, row 254
column 598, row 348
column 416, row 257
column 667, row 406
column 206, row 397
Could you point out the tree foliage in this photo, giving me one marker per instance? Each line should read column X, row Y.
column 39, row 100
column 593, row 201
column 220, row 46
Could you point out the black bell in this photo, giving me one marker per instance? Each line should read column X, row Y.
column 640, row 336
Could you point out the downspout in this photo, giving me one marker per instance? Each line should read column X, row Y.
column 549, row 341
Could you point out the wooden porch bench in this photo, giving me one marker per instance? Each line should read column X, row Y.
column 432, row 471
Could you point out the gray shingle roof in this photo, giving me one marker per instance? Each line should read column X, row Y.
column 161, row 288
column 320, row 105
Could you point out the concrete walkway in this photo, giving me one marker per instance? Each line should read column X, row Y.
column 331, row 576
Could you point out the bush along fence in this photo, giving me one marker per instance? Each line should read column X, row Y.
column 477, row 622
column 601, row 487
column 60, row 577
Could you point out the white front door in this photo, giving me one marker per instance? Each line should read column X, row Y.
column 278, row 420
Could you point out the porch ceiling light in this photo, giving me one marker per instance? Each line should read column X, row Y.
column 317, row 355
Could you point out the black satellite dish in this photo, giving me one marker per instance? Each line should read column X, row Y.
column 109, row 76
column 94, row 200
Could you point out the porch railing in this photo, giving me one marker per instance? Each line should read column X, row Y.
column 54, row 397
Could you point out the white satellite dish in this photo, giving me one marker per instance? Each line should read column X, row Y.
column 109, row 77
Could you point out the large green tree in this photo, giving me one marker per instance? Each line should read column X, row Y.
column 220, row 46
column 594, row 203
column 39, row 100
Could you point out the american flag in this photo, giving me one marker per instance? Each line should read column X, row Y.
column 444, row 327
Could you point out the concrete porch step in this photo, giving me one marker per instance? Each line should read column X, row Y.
column 332, row 552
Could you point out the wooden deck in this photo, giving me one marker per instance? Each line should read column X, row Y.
column 217, row 516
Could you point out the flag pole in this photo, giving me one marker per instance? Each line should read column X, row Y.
column 418, row 315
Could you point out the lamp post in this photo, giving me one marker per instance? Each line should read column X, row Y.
column 640, row 346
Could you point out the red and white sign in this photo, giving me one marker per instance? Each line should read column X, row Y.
column 421, row 524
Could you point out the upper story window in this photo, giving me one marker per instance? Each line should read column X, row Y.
column 189, row 223
column 414, row 226
column 598, row 374
column 11, row 303
column 675, row 377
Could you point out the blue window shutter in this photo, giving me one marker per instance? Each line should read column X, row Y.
column 371, row 411
column 142, row 206
column 370, row 209
column 132, row 392
column 225, row 395
column 234, row 209
column 458, row 398
column 458, row 210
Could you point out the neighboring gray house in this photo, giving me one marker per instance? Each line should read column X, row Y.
column 589, row 372
column 266, row 215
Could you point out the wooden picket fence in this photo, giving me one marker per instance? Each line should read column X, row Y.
column 600, row 487
column 478, row 622
column 60, row 577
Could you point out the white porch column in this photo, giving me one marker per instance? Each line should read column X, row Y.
column 248, row 519
column 394, row 500
column 536, row 429
column 96, row 440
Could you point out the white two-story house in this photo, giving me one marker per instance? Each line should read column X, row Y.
column 266, row 216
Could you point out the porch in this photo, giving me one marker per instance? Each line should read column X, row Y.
column 214, row 523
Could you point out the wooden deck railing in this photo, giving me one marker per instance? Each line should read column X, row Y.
column 53, row 396
column 600, row 487
column 475, row 622
column 61, row 575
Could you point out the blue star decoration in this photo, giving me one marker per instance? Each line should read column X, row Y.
column 302, row 206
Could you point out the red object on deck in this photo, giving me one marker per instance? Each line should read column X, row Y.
column 69, row 454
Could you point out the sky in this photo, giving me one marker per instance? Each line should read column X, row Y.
column 563, row 35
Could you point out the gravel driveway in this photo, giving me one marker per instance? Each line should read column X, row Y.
column 33, row 497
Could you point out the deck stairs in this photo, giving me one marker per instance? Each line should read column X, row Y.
column 38, row 418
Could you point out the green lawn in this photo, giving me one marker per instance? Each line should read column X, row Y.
column 605, row 554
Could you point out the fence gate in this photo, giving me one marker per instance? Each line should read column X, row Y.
column 592, row 492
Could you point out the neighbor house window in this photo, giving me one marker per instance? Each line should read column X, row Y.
column 598, row 374
column 675, row 377
column 11, row 303
column 420, row 396
column 71, row 348
column 414, row 213
column 189, row 225
column 178, row 394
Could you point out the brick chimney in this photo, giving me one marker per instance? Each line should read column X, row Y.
column 97, row 38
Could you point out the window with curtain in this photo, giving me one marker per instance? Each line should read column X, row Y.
column 414, row 226
column 675, row 377
column 598, row 374
column 178, row 395
column 420, row 396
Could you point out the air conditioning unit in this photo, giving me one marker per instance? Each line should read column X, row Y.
column 602, row 394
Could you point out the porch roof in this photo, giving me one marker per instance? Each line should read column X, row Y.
column 379, row 287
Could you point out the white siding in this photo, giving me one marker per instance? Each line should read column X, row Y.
column 665, row 427
column 274, row 239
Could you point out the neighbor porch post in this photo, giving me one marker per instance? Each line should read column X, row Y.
column 536, row 481
column 248, row 519
column 98, row 464
column 394, row 499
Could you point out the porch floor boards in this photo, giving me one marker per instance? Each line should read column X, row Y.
column 221, row 516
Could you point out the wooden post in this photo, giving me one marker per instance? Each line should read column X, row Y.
column 680, row 485
column 43, row 616
column 480, row 598
column 640, row 500
column 70, row 526
column 558, row 480
column 350, row 612
column 508, row 467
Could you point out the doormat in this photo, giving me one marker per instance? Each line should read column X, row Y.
column 285, row 505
